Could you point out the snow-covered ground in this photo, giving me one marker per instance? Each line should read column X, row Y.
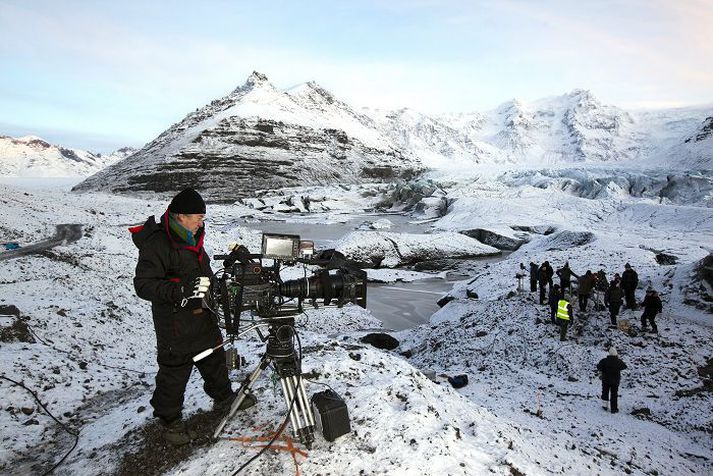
column 84, row 342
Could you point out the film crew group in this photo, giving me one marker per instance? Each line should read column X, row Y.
column 173, row 273
column 612, row 295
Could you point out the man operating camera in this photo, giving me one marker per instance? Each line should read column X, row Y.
column 173, row 272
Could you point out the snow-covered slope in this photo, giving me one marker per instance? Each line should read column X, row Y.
column 695, row 150
column 258, row 137
column 31, row 156
column 79, row 336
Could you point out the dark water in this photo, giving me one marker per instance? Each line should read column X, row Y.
column 398, row 305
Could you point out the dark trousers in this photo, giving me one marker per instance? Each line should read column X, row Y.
column 630, row 298
column 553, row 313
column 565, row 286
column 172, row 377
column 649, row 316
column 533, row 285
column 614, row 311
column 543, row 291
column 564, row 324
column 610, row 392
column 583, row 298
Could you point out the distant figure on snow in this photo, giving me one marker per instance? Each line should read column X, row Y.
column 600, row 289
column 564, row 316
column 553, row 300
column 586, row 285
column 565, row 274
column 652, row 306
column 610, row 368
column 629, row 282
column 613, row 299
column 533, row 276
column 544, row 279
column 520, row 275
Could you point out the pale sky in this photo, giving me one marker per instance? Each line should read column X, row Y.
column 103, row 74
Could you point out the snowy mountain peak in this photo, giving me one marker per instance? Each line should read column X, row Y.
column 32, row 141
column 258, row 137
column 32, row 156
column 581, row 94
column 313, row 93
column 255, row 81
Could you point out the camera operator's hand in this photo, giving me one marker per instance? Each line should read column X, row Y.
column 194, row 289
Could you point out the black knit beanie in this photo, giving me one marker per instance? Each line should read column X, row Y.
column 187, row 202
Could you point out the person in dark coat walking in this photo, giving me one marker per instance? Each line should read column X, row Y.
column 586, row 285
column 652, row 306
column 553, row 300
column 544, row 279
column 533, row 276
column 613, row 299
column 173, row 273
column 565, row 274
column 610, row 368
column 629, row 282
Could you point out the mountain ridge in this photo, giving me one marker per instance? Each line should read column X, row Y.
column 258, row 137
column 33, row 156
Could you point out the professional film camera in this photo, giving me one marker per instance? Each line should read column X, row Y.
column 248, row 294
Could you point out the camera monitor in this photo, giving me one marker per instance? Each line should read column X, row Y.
column 283, row 247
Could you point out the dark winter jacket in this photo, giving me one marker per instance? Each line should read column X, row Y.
column 614, row 294
column 565, row 274
column 586, row 283
column 166, row 264
column 611, row 367
column 652, row 305
column 602, row 283
column 629, row 279
column 545, row 274
column 533, row 272
column 554, row 298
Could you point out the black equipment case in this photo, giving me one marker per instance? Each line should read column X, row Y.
column 331, row 414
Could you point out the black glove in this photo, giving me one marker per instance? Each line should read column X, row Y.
column 194, row 288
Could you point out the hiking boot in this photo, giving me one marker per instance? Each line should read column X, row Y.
column 177, row 433
column 247, row 402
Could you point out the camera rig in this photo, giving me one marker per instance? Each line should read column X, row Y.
column 248, row 283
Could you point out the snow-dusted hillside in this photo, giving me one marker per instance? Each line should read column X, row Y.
column 258, row 137
column 73, row 330
column 31, row 156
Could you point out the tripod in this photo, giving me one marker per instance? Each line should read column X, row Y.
column 280, row 352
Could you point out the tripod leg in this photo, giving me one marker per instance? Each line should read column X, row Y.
column 300, row 412
column 307, row 409
column 242, row 392
column 288, row 394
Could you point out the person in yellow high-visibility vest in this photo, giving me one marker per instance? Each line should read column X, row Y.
column 564, row 315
